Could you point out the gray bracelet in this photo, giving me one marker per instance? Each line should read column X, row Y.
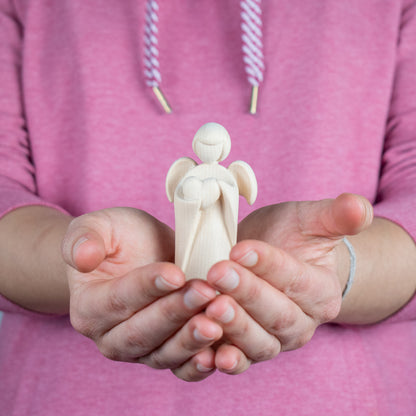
column 353, row 265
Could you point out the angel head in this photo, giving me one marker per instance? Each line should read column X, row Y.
column 211, row 143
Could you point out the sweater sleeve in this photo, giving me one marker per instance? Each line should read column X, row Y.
column 396, row 199
column 17, row 172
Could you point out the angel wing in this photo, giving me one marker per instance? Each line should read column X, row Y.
column 246, row 180
column 175, row 174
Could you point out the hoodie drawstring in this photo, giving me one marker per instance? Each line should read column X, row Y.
column 251, row 36
column 151, row 54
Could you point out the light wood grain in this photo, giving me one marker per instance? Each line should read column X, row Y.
column 206, row 198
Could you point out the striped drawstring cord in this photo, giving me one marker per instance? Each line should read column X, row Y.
column 251, row 36
column 151, row 54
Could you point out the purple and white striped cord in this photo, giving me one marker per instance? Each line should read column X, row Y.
column 251, row 27
column 151, row 53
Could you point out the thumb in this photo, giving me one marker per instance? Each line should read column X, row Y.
column 348, row 214
column 83, row 248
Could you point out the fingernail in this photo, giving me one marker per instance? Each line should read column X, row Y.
column 227, row 316
column 194, row 299
column 234, row 366
column 249, row 260
column 199, row 337
column 76, row 246
column 229, row 281
column 201, row 368
column 163, row 284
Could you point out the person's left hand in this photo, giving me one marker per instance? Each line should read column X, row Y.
column 278, row 287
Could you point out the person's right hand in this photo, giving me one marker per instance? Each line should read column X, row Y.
column 127, row 296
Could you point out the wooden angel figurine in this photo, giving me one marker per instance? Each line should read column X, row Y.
column 205, row 199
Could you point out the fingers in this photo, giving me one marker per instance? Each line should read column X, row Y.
column 271, row 301
column 226, row 358
column 261, row 333
column 145, row 331
column 124, row 237
column 88, row 252
column 348, row 214
column 195, row 336
column 87, row 242
column 315, row 289
column 275, row 300
column 231, row 360
column 242, row 330
column 199, row 367
column 99, row 304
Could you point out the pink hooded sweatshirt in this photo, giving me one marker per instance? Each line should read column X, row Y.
column 80, row 130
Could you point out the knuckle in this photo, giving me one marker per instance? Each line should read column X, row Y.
column 297, row 341
column 84, row 315
column 285, row 320
column 269, row 268
column 83, row 326
column 188, row 345
column 299, row 283
column 136, row 340
column 116, row 303
column 157, row 361
column 329, row 310
column 268, row 352
column 239, row 331
column 253, row 295
column 173, row 315
column 273, row 260
column 110, row 352
column 303, row 339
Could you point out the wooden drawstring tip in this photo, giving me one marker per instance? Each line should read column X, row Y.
column 254, row 98
column 162, row 99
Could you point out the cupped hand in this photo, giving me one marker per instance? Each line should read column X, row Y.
column 128, row 297
column 283, row 280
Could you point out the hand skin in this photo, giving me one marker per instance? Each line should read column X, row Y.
column 301, row 240
column 32, row 272
column 278, row 288
column 128, row 297
column 123, row 292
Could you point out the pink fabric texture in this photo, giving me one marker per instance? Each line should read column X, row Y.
column 80, row 131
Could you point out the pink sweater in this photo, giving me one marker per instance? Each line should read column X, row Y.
column 80, row 130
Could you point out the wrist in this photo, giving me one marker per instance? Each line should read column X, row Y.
column 51, row 231
column 33, row 272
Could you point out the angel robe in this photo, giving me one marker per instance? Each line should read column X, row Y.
column 204, row 236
